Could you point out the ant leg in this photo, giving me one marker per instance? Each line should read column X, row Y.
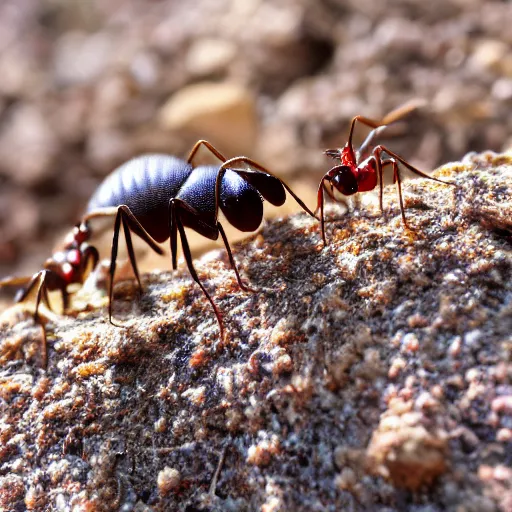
column 65, row 299
column 23, row 293
column 323, row 188
column 382, row 149
column 90, row 262
column 112, row 270
column 363, row 148
column 130, row 223
column 363, row 120
column 262, row 169
column 42, row 293
column 135, row 226
column 389, row 118
column 396, row 179
column 111, row 211
column 131, row 252
column 15, row 281
column 380, row 172
column 173, row 235
column 320, row 202
column 232, row 260
column 39, row 280
column 210, row 147
column 175, row 204
column 173, row 232
column 403, row 110
column 46, row 297
column 91, row 253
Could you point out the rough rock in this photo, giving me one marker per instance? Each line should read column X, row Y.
column 372, row 374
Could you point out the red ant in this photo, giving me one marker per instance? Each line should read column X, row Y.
column 356, row 175
column 67, row 266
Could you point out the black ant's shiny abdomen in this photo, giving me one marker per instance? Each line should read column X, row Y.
column 144, row 184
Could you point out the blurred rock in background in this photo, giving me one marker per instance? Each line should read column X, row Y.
column 86, row 85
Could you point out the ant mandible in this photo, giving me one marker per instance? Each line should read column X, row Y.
column 356, row 175
column 68, row 265
column 156, row 196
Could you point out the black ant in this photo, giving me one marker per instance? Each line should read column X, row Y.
column 156, row 196
column 354, row 174
column 67, row 266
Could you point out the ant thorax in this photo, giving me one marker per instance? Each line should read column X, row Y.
column 367, row 175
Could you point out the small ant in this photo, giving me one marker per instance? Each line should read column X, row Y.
column 356, row 175
column 67, row 266
column 156, row 196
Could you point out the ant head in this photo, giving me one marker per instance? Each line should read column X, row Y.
column 81, row 233
column 67, row 263
column 343, row 180
column 77, row 236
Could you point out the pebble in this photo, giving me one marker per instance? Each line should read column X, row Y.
column 168, row 480
column 223, row 113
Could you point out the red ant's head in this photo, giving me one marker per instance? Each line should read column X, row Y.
column 71, row 261
column 81, row 233
column 75, row 238
column 343, row 179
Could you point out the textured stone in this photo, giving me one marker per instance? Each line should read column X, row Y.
column 319, row 397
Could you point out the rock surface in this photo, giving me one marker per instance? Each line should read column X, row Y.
column 374, row 374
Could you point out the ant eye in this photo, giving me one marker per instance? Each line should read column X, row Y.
column 344, row 180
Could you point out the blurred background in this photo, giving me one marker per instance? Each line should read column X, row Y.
column 87, row 84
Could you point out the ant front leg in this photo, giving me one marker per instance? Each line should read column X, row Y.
column 176, row 224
